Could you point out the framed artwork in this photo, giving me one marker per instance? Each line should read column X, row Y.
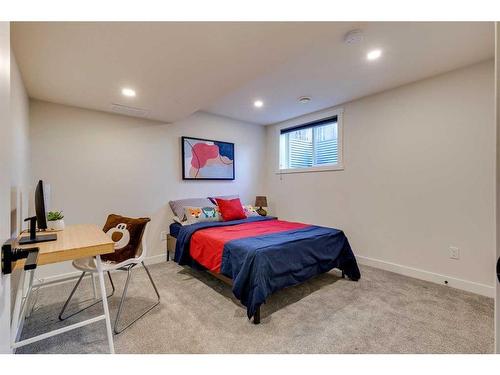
column 205, row 159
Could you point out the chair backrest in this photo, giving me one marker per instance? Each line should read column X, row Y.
column 118, row 223
column 142, row 250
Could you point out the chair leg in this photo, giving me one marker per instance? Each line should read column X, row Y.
column 152, row 282
column 112, row 284
column 120, row 308
column 94, row 287
column 86, row 307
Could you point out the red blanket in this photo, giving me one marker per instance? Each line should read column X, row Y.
column 207, row 245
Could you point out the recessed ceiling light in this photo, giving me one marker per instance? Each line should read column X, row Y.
column 304, row 99
column 128, row 92
column 258, row 104
column 374, row 54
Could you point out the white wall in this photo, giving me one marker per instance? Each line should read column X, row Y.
column 5, row 161
column 497, row 120
column 14, row 165
column 99, row 163
column 21, row 181
column 419, row 177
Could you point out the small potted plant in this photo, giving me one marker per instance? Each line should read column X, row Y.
column 55, row 219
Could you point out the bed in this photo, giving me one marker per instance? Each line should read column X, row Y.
column 259, row 255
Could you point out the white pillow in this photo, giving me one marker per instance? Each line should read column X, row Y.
column 250, row 210
column 177, row 206
column 177, row 220
column 201, row 214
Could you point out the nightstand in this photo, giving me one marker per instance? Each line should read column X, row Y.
column 171, row 241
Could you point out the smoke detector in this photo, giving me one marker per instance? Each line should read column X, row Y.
column 304, row 99
column 353, row 37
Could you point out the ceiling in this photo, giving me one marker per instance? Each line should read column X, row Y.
column 335, row 73
column 178, row 68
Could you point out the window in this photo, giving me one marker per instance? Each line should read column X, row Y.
column 311, row 146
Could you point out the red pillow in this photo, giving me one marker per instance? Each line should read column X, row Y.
column 231, row 209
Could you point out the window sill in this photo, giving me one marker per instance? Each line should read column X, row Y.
column 325, row 168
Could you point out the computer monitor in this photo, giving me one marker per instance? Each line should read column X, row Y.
column 40, row 205
column 41, row 198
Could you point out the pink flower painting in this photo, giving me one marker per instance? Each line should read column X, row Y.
column 207, row 160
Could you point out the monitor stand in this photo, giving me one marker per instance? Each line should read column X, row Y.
column 34, row 238
column 38, row 238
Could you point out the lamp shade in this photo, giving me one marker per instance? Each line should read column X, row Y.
column 260, row 201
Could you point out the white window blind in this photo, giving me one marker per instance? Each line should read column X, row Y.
column 310, row 145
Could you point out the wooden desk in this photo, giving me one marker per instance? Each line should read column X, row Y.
column 74, row 242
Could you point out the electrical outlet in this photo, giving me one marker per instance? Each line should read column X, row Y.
column 163, row 235
column 454, row 252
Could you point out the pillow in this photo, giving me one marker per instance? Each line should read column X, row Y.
column 231, row 209
column 250, row 210
column 226, row 197
column 201, row 214
column 126, row 233
column 177, row 206
column 179, row 221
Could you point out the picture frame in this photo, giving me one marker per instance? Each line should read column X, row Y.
column 207, row 159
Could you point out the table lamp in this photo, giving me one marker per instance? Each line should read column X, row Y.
column 261, row 201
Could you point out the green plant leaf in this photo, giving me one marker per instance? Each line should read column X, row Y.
column 55, row 215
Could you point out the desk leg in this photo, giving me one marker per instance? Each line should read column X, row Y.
column 21, row 304
column 105, row 304
column 14, row 325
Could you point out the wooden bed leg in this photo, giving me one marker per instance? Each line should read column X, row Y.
column 256, row 316
column 168, row 255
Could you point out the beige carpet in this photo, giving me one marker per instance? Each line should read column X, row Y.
column 382, row 313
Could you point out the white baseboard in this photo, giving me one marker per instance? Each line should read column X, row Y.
column 69, row 276
column 469, row 286
column 155, row 259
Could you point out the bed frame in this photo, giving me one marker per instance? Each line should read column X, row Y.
column 171, row 241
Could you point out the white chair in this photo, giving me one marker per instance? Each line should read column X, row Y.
column 87, row 265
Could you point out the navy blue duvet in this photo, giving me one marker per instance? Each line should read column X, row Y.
column 261, row 265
